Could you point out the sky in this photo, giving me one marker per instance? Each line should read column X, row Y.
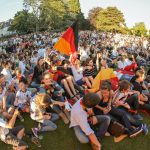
column 133, row 10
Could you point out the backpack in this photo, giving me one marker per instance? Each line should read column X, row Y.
column 116, row 129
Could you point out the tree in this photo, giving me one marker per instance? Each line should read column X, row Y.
column 92, row 15
column 35, row 7
column 139, row 29
column 52, row 14
column 23, row 22
column 109, row 19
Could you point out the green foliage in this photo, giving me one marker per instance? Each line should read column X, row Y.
column 139, row 29
column 93, row 13
column 23, row 22
column 109, row 19
column 48, row 15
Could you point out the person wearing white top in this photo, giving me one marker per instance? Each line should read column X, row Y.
column 80, row 116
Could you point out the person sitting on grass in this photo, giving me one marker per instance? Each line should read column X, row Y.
column 68, row 81
column 55, row 91
column 105, row 107
column 63, row 75
column 82, row 118
column 77, row 71
column 89, row 70
column 38, row 112
column 7, row 113
column 12, row 135
column 139, row 85
column 23, row 96
column 127, row 99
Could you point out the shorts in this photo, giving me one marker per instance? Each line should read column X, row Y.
column 80, row 82
column 11, row 137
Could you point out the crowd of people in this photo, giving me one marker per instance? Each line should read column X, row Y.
column 40, row 81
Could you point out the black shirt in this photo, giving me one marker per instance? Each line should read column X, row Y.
column 137, row 86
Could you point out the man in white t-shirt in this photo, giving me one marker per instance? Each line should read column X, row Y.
column 81, row 120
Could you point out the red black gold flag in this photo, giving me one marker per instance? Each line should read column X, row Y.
column 68, row 43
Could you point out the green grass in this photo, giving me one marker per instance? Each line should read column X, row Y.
column 64, row 139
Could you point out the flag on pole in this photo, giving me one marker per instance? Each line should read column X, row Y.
column 68, row 42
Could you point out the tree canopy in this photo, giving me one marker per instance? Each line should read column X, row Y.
column 139, row 29
column 23, row 22
column 109, row 19
column 48, row 15
column 57, row 15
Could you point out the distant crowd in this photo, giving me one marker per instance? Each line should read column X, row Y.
column 107, row 86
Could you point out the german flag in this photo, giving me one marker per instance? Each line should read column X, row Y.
column 68, row 43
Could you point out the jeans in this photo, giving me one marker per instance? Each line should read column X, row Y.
column 49, row 125
column 57, row 109
column 103, row 122
column 121, row 116
column 10, row 100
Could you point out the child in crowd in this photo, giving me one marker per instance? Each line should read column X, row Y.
column 23, row 96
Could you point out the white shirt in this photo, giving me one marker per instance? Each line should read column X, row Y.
column 35, row 110
column 122, row 65
column 22, row 66
column 41, row 52
column 2, row 94
column 77, row 74
column 79, row 117
column 3, row 130
column 7, row 74
column 22, row 96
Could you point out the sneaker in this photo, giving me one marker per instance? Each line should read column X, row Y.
column 138, row 117
column 21, row 118
column 36, row 141
column 135, row 132
column 35, row 132
column 145, row 129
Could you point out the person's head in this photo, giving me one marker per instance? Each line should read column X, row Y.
column 43, row 100
column 90, row 100
column 65, row 63
column 77, row 63
column 103, row 62
column 40, row 61
column 89, row 62
column 46, row 79
column 23, row 84
column 124, row 86
column 18, row 72
column 2, row 79
column 35, row 53
column 7, row 64
column 140, row 75
column 105, row 88
column 122, row 58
